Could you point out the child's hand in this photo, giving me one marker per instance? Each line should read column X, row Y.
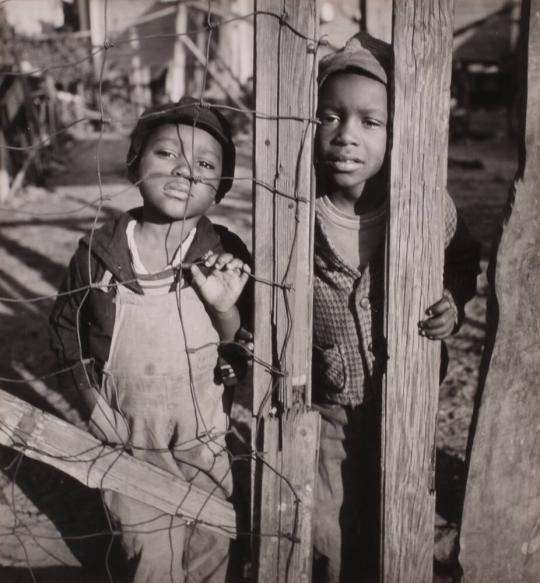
column 221, row 288
column 442, row 319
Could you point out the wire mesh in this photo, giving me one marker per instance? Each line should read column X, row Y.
column 205, row 436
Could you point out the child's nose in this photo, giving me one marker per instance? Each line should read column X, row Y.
column 182, row 167
column 348, row 133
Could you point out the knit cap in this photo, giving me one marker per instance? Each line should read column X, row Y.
column 188, row 111
column 362, row 52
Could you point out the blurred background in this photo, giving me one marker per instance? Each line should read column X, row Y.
column 160, row 50
column 74, row 76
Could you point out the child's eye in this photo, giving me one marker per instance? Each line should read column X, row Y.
column 328, row 118
column 164, row 153
column 372, row 123
column 206, row 164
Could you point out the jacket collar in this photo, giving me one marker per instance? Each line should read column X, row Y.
column 109, row 244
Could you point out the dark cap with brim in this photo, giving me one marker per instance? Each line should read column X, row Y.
column 362, row 53
column 188, row 111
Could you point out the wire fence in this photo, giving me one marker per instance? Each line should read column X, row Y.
column 208, row 442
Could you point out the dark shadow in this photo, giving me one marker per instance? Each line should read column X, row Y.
column 49, row 269
column 76, row 511
column 450, row 484
column 12, row 288
column 28, row 331
column 52, row 575
column 359, row 515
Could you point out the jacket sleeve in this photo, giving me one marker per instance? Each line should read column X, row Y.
column 461, row 260
column 67, row 331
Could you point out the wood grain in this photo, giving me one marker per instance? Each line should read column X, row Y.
column 43, row 437
column 422, row 34
column 285, row 89
column 285, row 85
column 500, row 535
column 290, row 449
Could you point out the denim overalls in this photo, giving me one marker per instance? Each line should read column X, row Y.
column 159, row 398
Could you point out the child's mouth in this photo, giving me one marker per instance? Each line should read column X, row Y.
column 343, row 164
column 178, row 189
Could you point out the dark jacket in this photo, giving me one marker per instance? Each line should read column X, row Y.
column 82, row 319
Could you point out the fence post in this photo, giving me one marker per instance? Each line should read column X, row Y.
column 285, row 432
column 422, row 36
column 500, row 534
column 175, row 83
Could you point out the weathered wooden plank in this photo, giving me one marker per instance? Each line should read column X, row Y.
column 43, row 437
column 285, row 85
column 422, row 36
column 500, row 534
column 285, row 89
column 291, row 446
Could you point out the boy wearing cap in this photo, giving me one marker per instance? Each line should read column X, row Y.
column 147, row 299
column 349, row 352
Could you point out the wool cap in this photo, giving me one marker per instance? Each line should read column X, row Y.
column 363, row 53
column 188, row 111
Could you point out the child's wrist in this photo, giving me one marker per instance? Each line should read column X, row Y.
column 226, row 323
column 224, row 313
column 447, row 294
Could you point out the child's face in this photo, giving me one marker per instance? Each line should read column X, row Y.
column 351, row 139
column 180, row 169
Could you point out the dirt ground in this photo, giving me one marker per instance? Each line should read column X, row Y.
column 39, row 232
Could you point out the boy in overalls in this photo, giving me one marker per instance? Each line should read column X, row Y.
column 146, row 301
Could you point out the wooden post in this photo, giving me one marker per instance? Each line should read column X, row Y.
column 96, row 19
column 422, row 54
column 175, row 84
column 234, row 46
column 500, row 534
column 136, row 77
column 84, row 16
column 285, row 433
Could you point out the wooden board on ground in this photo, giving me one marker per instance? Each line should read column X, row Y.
column 500, row 534
column 43, row 437
column 422, row 36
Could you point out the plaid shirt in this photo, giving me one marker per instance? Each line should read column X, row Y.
column 349, row 348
